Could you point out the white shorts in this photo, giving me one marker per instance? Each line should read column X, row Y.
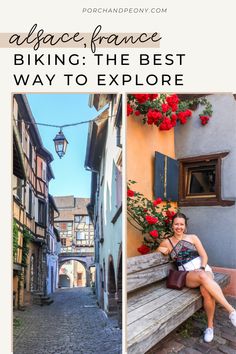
column 195, row 264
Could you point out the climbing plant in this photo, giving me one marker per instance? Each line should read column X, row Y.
column 27, row 237
column 152, row 218
column 15, row 238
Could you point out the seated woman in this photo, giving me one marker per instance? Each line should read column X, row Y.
column 189, row 254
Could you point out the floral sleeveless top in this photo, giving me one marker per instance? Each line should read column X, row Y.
column 183, row 252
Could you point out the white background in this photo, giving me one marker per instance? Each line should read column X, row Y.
column 204, row 30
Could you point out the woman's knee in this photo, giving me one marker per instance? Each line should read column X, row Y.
column 203, row 277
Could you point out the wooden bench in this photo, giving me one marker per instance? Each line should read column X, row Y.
column 154, row 310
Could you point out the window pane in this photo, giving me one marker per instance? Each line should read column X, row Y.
column 78, row 218
column 80, row 235
column 41, row 212
column 202, row 180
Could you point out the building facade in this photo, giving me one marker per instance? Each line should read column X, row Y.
column 30, row 205
column 19, row 181
column 104, row 160
column 77, row 241
column 53, row 249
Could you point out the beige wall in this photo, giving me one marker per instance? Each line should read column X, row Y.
column 142, row 142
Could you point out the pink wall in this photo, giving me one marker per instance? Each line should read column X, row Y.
column 231, row 288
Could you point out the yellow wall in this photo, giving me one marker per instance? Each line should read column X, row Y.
column 142, row 142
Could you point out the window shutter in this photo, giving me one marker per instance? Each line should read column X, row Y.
column 27, row 197
column 172, row 179
column 166, row 177
column 159, row 175
column 44, row 172
column 36, row 209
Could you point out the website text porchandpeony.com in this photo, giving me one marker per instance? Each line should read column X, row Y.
column 124, row 10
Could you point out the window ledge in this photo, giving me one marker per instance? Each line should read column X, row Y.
column 29, row 216
column 210, row 202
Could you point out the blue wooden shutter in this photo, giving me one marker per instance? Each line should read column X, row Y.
column 159, row 175
column 172, row 180
column 172, row 190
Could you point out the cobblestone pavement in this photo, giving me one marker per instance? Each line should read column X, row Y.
column 187, row 339
column 73, row 324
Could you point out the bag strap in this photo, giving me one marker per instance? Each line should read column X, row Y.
column 173, row 248
column 171, row 243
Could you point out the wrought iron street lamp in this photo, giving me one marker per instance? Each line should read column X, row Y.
column 60, row 143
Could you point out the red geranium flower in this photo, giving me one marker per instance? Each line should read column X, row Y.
column 174, row 107
column 204, row 119
column 144, row 249
column 157, row 201
column 154, row 233
column 174, row 116
column 150, row 121
column 182, row 117
column 153, row 115
column 165, row 107
column 166, row 124
column 172, row 100
column 188, row 113
column 130, row 193
column 141, row 98
column 170, row 214
column 129, row 109
column 137, row 113
column 153, row 96
column 151, row 219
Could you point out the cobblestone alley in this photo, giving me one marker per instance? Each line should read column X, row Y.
column 73, row 324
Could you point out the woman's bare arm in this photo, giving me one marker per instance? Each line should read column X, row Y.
column 163, row 248
column 201, row 250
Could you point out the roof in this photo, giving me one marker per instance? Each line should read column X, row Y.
column 96, row 141
column 64, row 201
column 18, row 155
column 69, row 206
column 99, row 100
column 52, row 201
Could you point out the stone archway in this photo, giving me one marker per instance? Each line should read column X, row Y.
column 111, row 287
column 86, row 262
column 76, row 271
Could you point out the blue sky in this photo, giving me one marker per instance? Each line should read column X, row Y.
column 71, row 178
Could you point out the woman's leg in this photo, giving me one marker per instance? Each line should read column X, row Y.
column 208, row 303
column 198, row 278
column 209, row 306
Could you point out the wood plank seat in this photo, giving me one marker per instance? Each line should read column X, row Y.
column 154, row 310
